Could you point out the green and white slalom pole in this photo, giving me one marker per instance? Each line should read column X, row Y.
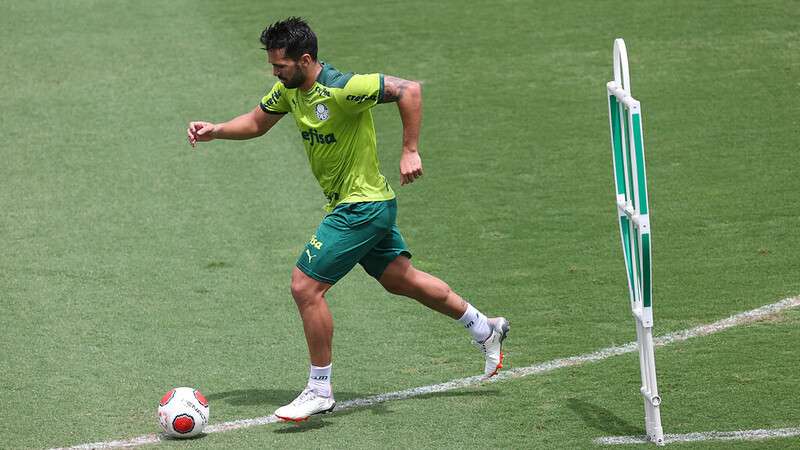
column 627, row 145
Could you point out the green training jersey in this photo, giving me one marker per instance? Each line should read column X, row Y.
column 338, row 133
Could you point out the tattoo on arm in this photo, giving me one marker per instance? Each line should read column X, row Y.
column 393, row 88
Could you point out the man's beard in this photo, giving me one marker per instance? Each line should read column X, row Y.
column 296, row 81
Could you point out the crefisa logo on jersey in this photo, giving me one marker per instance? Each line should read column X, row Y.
column 322, row 111
column 314, row 137
column 273, row 98
column 362, row 98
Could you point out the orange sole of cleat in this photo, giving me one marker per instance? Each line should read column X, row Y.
column 499, row 366
column 329, row 410
column 289, row 419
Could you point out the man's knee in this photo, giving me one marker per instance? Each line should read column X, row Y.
column 306, row 290
column 397, row 285
column 396, row 278
column 298, row 290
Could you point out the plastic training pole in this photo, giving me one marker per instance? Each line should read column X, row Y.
column 630, row 181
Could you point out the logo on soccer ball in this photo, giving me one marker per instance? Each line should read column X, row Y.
column 322, row 111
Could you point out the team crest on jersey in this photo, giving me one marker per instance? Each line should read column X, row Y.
column 322, row 111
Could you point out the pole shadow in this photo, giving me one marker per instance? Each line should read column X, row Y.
column 602, row 419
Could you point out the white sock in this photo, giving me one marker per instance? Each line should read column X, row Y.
column 319, row 379
column 476, row 323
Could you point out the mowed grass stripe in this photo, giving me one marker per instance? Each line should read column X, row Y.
column 671, row 338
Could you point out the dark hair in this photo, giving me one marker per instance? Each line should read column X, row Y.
column 294, row 35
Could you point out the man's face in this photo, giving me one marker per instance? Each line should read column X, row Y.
column 290, row 72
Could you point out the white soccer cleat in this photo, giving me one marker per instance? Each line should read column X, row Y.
column 492, row 347
column 304, row 406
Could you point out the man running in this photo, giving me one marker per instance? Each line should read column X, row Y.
column 332, row 112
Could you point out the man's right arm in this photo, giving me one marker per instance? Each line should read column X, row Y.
column 249, row 125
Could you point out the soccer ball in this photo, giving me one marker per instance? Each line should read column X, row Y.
column 183, row 412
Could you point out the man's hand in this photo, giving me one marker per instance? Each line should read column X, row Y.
column 200, row 132
column 410, row 167
column 408, row 95
column 249, row 125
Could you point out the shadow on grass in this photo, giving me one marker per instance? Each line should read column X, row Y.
column 312, row 424
column 277, row 397
column 167, row 438
column 465, row 393
column 323, row 420
column 602, row 419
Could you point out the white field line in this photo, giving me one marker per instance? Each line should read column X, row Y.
column 678, row 336
column 741, row 435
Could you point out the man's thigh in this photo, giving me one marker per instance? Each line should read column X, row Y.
column 384, row 252
column 343, row 238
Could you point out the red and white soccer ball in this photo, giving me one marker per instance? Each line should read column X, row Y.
column 183, row 412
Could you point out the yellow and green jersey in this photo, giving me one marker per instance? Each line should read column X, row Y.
column 336, row 126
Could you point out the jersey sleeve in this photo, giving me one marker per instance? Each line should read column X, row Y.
column 274, row 102
column 361, row 92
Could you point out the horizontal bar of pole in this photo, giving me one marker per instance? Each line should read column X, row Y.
column 640, row 220
column 626, row 209
column 623, row 96
column 654, row 400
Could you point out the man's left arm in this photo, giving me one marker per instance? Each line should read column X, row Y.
column 408, row 95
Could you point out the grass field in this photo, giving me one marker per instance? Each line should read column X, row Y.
column 130, row 264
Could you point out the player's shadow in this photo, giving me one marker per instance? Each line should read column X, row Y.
column 602, row 419
column 321, row 421
column 274, row 397
column 277, row 397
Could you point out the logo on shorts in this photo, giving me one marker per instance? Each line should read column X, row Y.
column 315, row 243
column 322, row 111
column 310, row 256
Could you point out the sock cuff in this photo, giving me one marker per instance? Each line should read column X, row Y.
column 319, row 379
column 477, row 323
column 320, row 373
column 470, row 315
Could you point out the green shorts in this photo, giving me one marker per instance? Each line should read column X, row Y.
column 364, row 233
